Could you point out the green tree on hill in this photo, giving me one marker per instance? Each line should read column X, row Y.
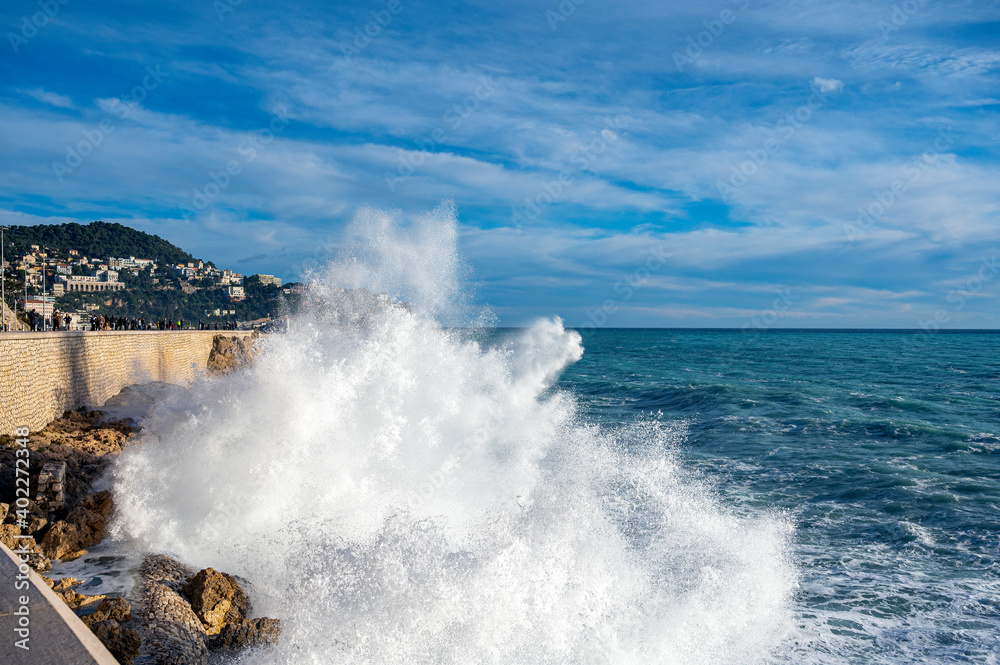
column 97, row 239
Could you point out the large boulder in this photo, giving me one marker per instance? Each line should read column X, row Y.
column 248, row 633
column 62, row 541
column 216, row 599
column 229, row 352
column 172, row 632
column 123, row 643
column 166, row 570
column 85, row 527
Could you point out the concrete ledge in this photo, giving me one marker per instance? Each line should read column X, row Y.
column 57, row 636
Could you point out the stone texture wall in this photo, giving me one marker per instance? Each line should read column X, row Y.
column 43, row 375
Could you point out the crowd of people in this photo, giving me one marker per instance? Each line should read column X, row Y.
column 62, row 321
column 123, row 323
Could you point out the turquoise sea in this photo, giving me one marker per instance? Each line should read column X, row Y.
column 881, row 447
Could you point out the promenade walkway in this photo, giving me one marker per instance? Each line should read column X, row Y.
column 55, row 635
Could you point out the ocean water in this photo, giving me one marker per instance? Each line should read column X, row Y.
column 399, row 490
column 881, row 448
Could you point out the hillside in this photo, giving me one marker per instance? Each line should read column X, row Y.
column 95, row 239
column 192, row 291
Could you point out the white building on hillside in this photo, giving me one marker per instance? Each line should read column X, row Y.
column 103, row 280
column 268, row 279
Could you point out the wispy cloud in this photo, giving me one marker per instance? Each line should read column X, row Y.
column 410, row 98
column 50, row 98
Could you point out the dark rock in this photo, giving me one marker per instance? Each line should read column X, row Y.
column 123, row 643
column 77, row 600
column 31, row 512
column 171, row 630
column 34, row 524
column 168, row 571
column 85, row 527
column 116, row 609
column 240, row 607
column 248, row 633
column 64, row 584
column 100, row 503
column 61, row 540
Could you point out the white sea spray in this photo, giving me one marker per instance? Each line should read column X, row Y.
column 399, row 492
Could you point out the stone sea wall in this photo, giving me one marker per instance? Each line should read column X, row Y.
column 42, row 375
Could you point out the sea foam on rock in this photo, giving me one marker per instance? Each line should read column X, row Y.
column 183, row 610
column 216, row 598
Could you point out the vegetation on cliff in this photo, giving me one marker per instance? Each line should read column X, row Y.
column 163, row 294
column 102, row 239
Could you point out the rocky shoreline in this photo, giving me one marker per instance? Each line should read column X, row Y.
column 181, row 615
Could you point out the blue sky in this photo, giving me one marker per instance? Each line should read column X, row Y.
column 778, row 164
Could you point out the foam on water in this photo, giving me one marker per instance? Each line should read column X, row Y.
column 397, row 492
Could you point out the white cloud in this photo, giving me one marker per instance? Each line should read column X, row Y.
column 50, row 98
column 828, row 85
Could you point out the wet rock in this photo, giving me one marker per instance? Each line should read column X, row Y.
column 215, row 598
column 168, row 571
column 64, row 589
column 115, row 609
column 176, row 631
column 85, row 527
column 248, row 633
column 229, row 352
column 240, row 604
column 77, row 600
column 63, row 584
column 37, row 560
column 123, row 643
column 173, row 634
